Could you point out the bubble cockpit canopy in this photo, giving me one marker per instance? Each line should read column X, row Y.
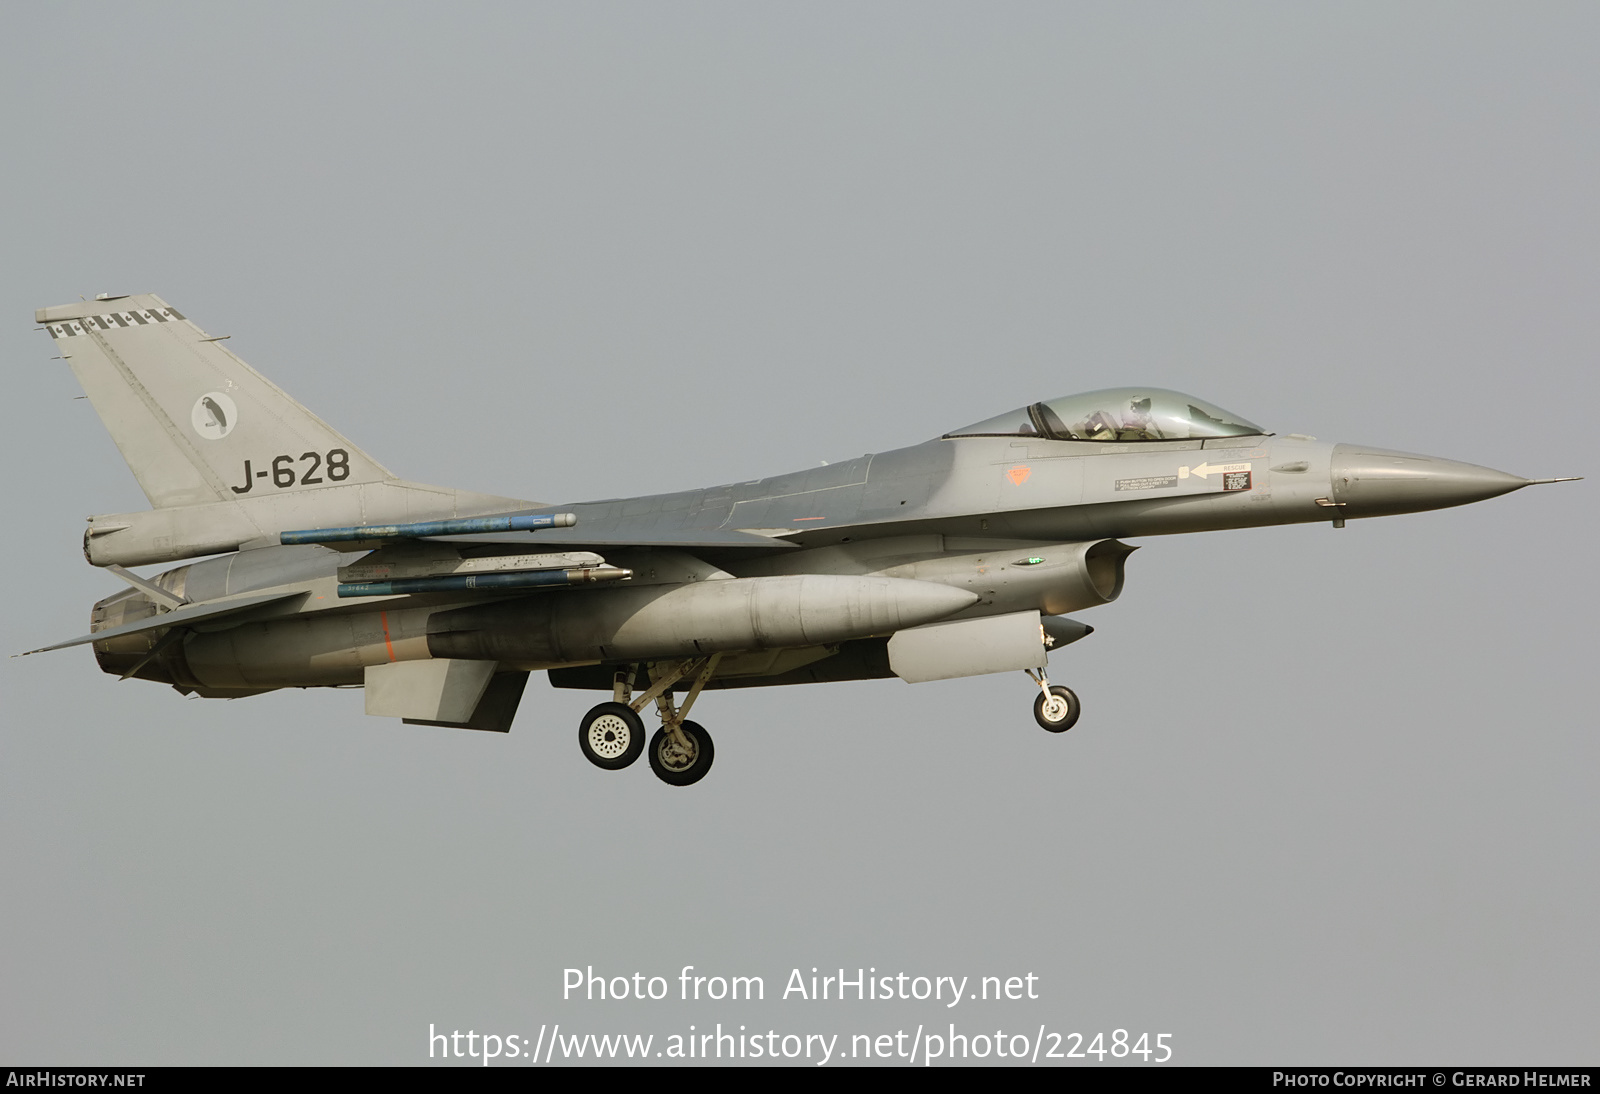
column 1116, row 414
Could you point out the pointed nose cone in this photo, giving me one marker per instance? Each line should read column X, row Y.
column 1374, row 482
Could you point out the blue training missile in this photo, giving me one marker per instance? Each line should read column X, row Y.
column 465, row 526
column 451, row 583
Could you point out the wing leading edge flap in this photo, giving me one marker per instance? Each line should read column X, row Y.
column 197, row 613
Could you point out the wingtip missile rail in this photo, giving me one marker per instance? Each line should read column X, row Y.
column 465, row 526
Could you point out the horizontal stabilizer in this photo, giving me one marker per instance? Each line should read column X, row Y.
column 193, row 613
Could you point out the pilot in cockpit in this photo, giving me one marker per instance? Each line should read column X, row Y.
column 1136, row 425
column 1116, row 414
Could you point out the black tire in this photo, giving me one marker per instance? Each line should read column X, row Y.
column 672, row 770
column 611, row 736
column 1059, row 718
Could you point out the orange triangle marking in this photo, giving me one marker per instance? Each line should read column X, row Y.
column 1019, row 475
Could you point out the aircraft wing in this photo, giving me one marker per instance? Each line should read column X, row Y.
column 193, row 613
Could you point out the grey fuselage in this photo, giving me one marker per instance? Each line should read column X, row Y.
column 998, row 487
column 1014, row 523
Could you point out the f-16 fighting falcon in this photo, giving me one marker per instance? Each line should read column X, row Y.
column 954, row 557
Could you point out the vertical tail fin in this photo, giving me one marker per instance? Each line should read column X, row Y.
column 225, row 457
column 195, row 423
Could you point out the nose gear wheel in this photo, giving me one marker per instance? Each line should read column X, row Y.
column 1057, row 710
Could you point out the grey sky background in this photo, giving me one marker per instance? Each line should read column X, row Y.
column 1332, row 799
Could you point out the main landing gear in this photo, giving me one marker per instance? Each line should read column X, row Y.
column 611, row 735
column 1057, row 708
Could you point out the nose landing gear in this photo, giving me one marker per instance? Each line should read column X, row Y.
column 1057, row 708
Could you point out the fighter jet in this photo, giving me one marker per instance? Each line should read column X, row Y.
column 955, row 557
